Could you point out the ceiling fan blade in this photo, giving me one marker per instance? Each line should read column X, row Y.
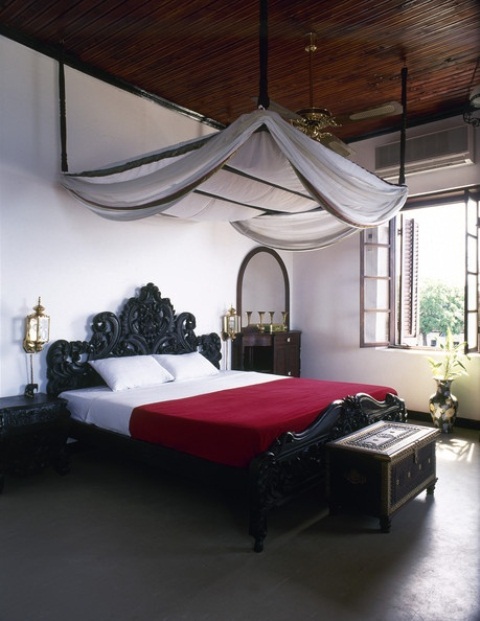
column 390, row 108
column 282, row 111
column 335, row 144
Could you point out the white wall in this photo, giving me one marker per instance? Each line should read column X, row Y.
column 76, row 261
column 326, row 302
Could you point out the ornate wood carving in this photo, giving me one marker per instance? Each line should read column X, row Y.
column 147, row 324
column 297, row 461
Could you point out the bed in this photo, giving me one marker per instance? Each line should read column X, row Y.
column 146, row 385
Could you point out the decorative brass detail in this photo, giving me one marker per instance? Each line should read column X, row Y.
column 318, row 118
column 37, row 329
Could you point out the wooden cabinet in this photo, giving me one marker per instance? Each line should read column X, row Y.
column 277, row 353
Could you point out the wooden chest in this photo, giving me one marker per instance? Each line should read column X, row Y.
column 378, row 469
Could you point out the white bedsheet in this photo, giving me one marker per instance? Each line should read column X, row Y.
column 110, row 410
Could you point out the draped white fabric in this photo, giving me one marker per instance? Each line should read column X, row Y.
column 272, row 182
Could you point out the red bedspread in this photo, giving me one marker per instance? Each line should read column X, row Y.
column 233, row 426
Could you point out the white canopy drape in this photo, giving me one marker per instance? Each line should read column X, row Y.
column 272, row 182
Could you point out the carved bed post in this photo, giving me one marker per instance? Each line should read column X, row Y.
column 294, row 463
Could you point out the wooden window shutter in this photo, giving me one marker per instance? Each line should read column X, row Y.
column 375, row 288
column 472, row 288
column 409, row 321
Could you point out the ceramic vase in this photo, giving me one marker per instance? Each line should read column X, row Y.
column 443, row 406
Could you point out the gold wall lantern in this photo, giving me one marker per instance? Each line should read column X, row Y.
column 37, row 330
column 37, row 333
column 231, row 324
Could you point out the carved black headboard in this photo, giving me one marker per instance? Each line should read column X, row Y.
column 147, row 324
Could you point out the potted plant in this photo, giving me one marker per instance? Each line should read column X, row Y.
column 443, row 405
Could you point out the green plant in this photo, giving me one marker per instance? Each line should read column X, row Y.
column 452, row 363
column 441, row 308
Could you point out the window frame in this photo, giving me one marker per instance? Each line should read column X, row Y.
column 367, row 243
column 471, row 199
column 472, row 267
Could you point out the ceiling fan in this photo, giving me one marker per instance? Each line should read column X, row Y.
column 313, row 121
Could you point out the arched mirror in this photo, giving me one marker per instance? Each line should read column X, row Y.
column 263, row 285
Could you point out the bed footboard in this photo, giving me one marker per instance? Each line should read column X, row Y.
column 297, row 461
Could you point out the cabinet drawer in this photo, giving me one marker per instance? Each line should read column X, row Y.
column 257, row 339
column 287, row 338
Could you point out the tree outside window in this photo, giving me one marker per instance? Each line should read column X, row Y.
column 441, row 308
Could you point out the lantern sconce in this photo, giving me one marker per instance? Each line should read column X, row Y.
column 231, row 324
column 37, row 334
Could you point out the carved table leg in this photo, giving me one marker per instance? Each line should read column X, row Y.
column 258, row 528
column 431, row 488
column 385, row 524
column 61, row 462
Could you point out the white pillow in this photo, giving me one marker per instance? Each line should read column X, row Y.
column 186, row 366
column 131, row 372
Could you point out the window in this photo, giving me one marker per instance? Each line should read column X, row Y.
column 419, row 273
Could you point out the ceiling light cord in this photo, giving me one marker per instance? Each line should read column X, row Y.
column 311, row 47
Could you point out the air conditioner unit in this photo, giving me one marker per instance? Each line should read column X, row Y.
column 442, row 149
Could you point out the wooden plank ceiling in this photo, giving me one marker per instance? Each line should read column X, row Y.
column 203, row 55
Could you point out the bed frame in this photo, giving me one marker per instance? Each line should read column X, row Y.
column 148, row 324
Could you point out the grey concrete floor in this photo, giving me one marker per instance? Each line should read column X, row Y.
column 116, row 541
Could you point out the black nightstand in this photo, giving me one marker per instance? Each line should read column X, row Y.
column 33, row 435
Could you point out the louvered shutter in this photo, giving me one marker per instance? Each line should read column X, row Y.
column 409, row 319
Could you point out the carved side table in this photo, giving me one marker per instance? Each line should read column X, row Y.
column 33, row 435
